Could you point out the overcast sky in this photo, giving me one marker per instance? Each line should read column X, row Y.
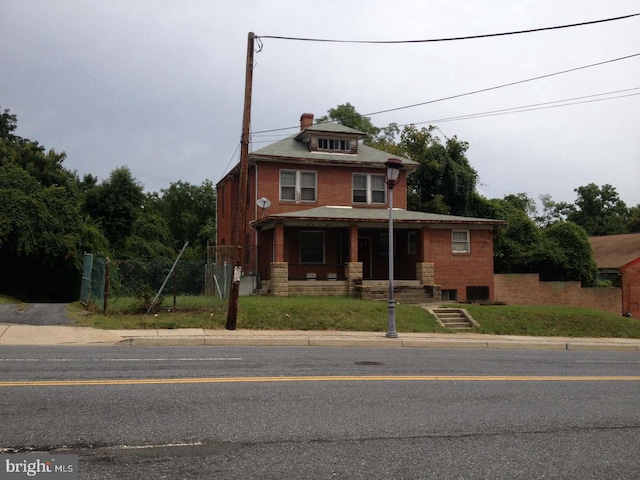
column 158, row 85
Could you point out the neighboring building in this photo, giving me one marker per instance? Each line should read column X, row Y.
column 325, row 230
column 618, row 260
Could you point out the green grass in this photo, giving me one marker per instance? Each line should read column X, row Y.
column 348, row 314
column 551, row 321
column 7, row 300
column 264, row 313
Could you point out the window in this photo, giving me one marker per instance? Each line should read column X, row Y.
column 412, row 243
column 311, row 247
column 369, row 189
column 334, row 144
column 297, row 186
column 460, row 241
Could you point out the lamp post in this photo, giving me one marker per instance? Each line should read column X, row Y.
column 394, row 165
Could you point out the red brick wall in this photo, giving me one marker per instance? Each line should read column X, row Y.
column 334, row 187
column 457, row 271
column 526, row 289
column 631, row 288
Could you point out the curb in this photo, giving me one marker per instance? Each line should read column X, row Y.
column 372, row 343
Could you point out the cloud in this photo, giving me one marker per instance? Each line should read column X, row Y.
column 159, row 85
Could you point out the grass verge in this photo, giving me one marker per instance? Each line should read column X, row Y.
column 264, row 313
column 342, row 313
column 551, row 321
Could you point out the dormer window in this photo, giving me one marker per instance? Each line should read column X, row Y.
column 334, row 145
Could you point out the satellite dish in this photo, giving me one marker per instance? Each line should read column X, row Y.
column 263, row 202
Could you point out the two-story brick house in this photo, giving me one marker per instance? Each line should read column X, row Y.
column 325, row 230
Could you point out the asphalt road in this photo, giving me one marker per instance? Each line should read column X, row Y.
column 35, row 314
column 232, row 413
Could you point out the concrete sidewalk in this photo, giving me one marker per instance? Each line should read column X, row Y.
column 13, row 334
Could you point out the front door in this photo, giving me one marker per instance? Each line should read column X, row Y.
column 364, row 256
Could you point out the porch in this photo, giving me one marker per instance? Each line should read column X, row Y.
column 405, row 291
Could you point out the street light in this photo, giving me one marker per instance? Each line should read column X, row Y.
column 394, row 165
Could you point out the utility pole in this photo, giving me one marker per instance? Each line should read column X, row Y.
column 242, row 193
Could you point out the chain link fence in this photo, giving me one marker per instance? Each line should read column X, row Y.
column 92, row 288
column 107, row 281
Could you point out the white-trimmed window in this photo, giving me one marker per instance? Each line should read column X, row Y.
column 369, row 189
column 334, row 145
column 460, row 241
column 298, row 186
column 311, row 247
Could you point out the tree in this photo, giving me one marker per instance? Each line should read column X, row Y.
column 444, row 182
column 565, row 254
column 598, row 210
column 347, row 115
column 42, row 232
column 634, row 220
column 115, row 204
column 516, row 241
column 190, row 213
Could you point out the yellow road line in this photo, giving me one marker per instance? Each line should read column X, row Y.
column 339, row 378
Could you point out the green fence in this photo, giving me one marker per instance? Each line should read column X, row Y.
column 92, row 289
column 105, row 281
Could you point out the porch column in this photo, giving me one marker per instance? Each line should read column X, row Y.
column 425, row 273
column 280, row 279
column 425, row 270
column 353, row 274
column 278, row 242
column 353, row 268
column 353, row 243
column 425, row 244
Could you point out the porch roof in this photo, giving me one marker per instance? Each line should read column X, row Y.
column 338, row 216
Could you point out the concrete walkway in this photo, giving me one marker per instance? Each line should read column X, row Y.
column 12, row 334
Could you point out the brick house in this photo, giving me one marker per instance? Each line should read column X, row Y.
column 324, row 226
column 618, row 260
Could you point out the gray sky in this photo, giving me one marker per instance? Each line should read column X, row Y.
column 158, row 85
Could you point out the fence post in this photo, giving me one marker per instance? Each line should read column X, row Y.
column 105, row 308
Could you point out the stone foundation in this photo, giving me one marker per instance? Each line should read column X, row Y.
column 425, row 273
column 280, row 279
column 353, row 274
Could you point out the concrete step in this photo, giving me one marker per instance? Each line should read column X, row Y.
column 453, row 318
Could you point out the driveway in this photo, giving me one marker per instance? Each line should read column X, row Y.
column 35, row 314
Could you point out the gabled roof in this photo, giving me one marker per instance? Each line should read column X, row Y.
column 615, row 251
column 369, row 216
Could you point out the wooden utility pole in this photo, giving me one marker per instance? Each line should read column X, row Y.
column 240, row 207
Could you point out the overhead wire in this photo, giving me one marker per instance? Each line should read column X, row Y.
column 533, row 107
column 468, row 37
column 474, row 92
column 566, row 102
column 450, row 39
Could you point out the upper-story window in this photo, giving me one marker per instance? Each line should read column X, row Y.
column 298, row 186
column 334, row 144
column 369, row 189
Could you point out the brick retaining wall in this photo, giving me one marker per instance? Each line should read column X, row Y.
column 527, row 289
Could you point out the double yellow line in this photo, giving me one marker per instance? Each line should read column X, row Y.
column 329, row 378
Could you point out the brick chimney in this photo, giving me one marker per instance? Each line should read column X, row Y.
column 306, row 120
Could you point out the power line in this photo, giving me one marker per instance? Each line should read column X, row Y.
column 474, row 92
column 482, row 90
column 504, row 111
column 433, row 40
column 537, row 106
